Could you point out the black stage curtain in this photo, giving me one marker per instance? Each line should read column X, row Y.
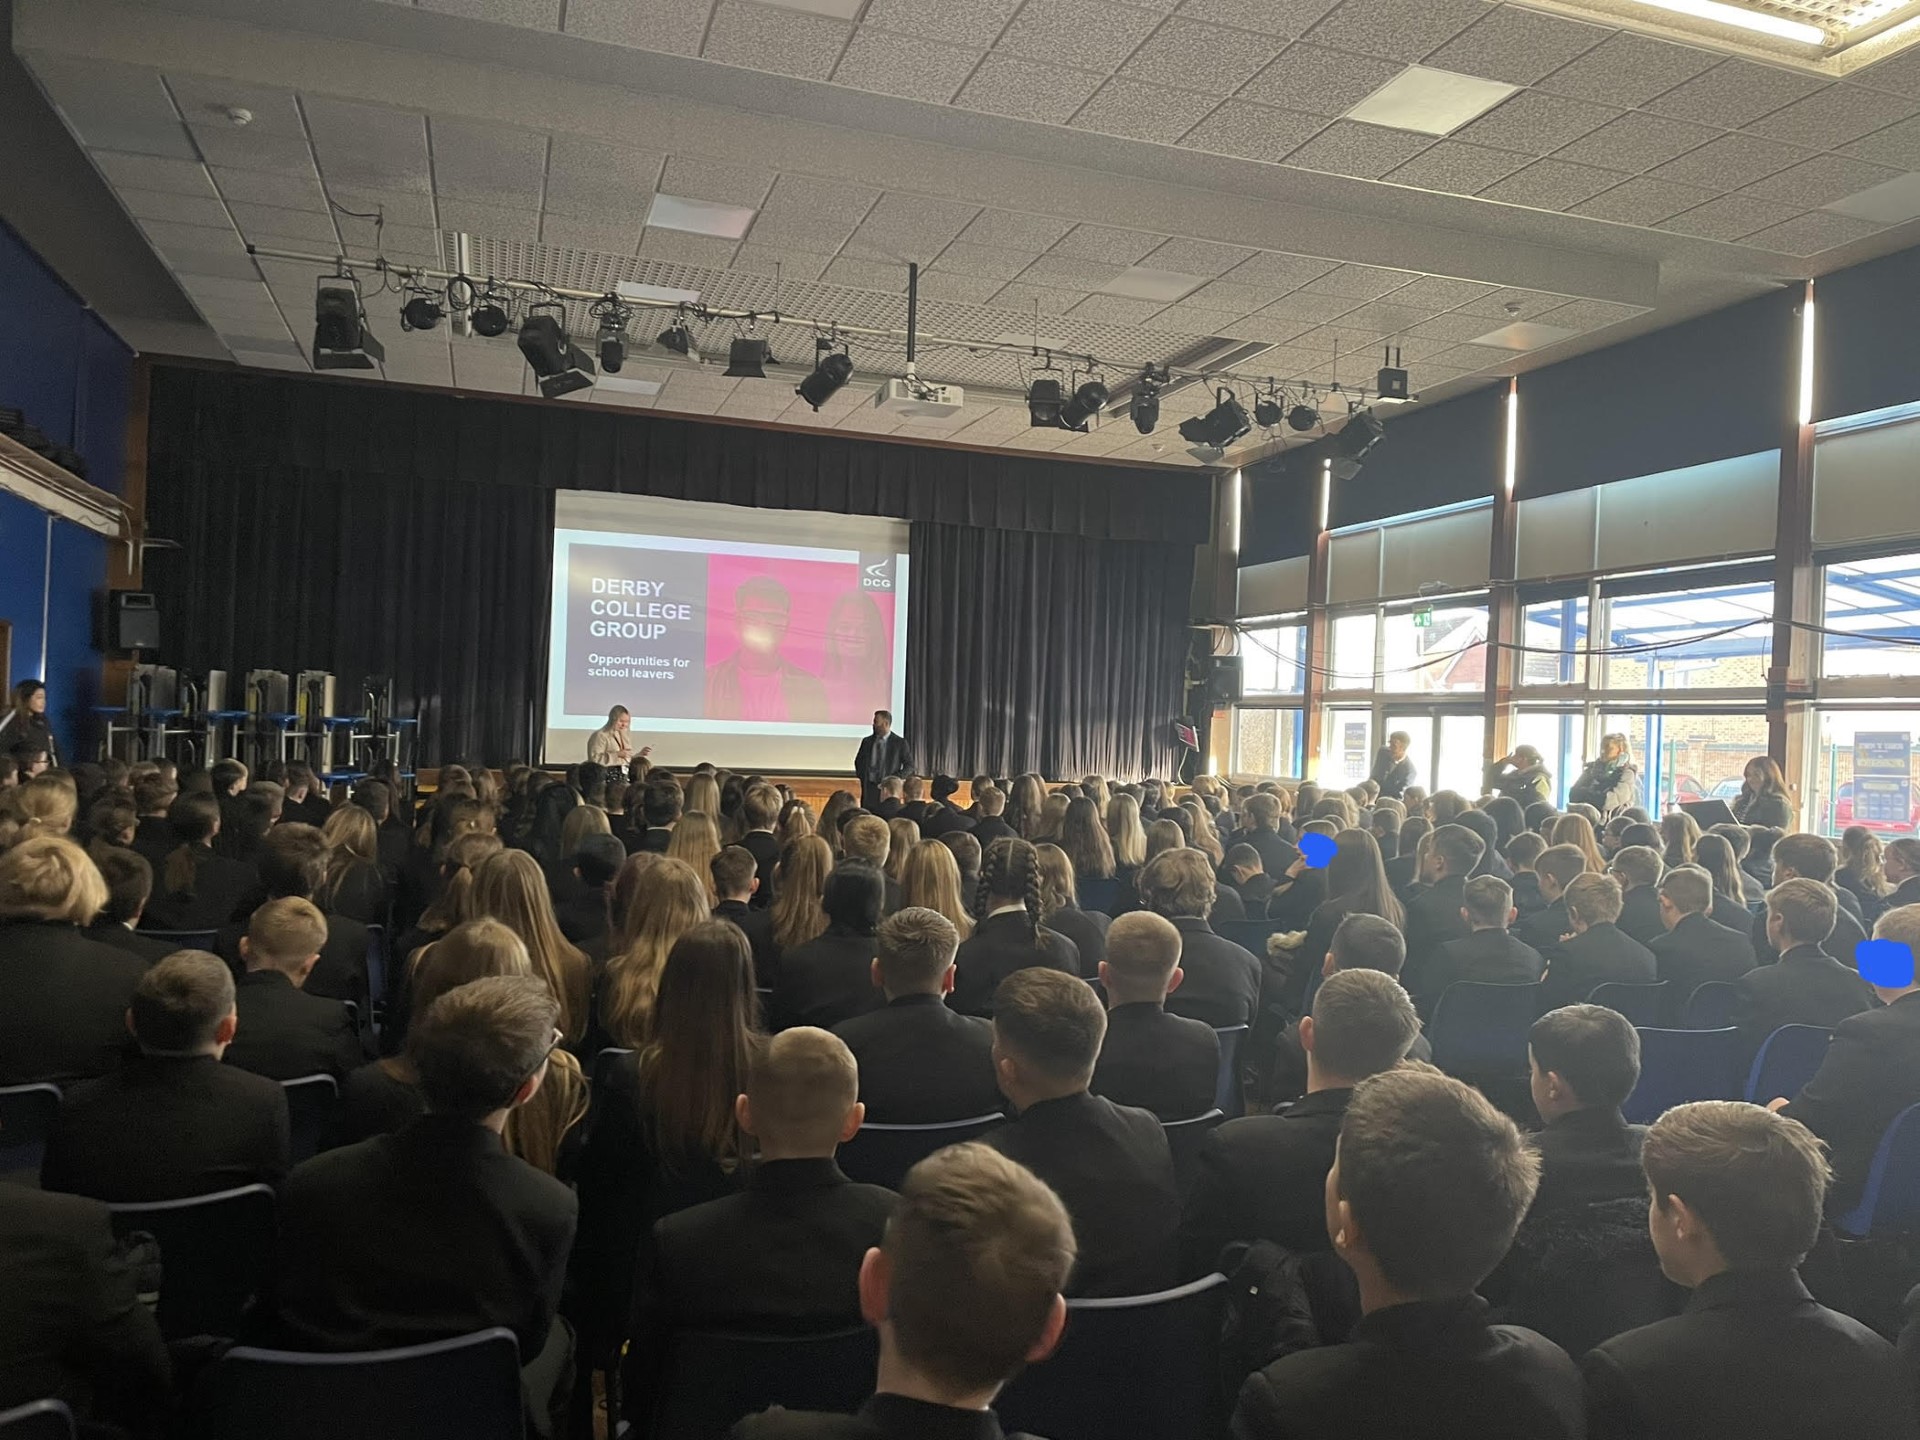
column 373, row 530
column 1050, row 653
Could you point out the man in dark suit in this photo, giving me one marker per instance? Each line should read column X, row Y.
column 1558, row 867
column 1597, row 953
column 1585, row 1061
column 1428, row 1187
column 1692, row 949
column 1806, row 986
column 1812, row 857
column 783, row 1256
column 72, row 1325
column 1871, row 1071
column 1222, row 985
column 964, row 1292
column 582, row 913
column 1156, row 1061
column 1109, row 1163
column 436, row 1230
column 880, row 755
column 1487, row 954
column 920, row 1062
column 1393, row 768
column 172, row 1122
column 284, row 1032
column 989, row 827
column 293, row 863
column 1433, row 916
column 129, row 883
column 1638, row 868
column 1736, row 1207
column 736, row 879
column 1263, row 1177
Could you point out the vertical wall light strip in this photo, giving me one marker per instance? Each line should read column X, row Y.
column 1326, row 491
column 1806, row 359
column 1236, row 497
column 1513, row 435
column 46, row 600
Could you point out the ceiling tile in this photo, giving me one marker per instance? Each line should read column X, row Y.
column 1015, row 230
column 1052, row 300
column 1279, row 273
column 672, row 27
column 1069, row 273
column 594, row 178
column 392, row 207
column 678, row 247
column 1728, row 217
column 577, row 232
column 1591, row 314
column 174, row 208
column 1196, row 257
column 527, row 14
column 1526, row 305
column 1103, row 242
column 1095, row 34
column 1116, row 310
column 1899, row 73
column 1395, row 29
column 1535, row 123
column 1438, row 292
column 495, row 164
column 1253, row 132
column 1027, row 90
column 495, row 222
column 1136, row 110
column 1811, row 233
column 1642, row 201
column 1896, row 145
column 1347, row 147
column 1229, row 297
column 1452, row 327
column 811, row 214
column 692, row 179
column 1551, row 185
column 1476, row 357
column 154, row 172
column 1822, row 180
column 910, row 227
column 1385, row 316
column 257, row 187
column 368, row 144
column 865, row 275
column 1636, row 141
column 106, row 101
column 983, row 261
column 1730, row 162
column 1265, row 17
column 310, row 225
column 1515, row 45
column 1193, row 56
column 205, row 100
column 1835, row 116
column 1628, row 69
column 1734, row 93
column 1305, row 310
column 906, row 65
column 788, row 264
column 951, row 285
column 1455, row 166
column 956, row 22
column 778, row 41
column 243, row 148
column 1318, row 80
column 1362, row 282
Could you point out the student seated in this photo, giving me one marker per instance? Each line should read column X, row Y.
column 1263, row 1177
column 1638, row 868
column 783, row 1256
column 736, row 881
column 582, row 916
column 965, row 1292
column 284, row 1032
column 1811, row 857
column 1360, row 942
column 660, row 807
column 1159, row 1062
column 830, row 978
column 1222, row 985
column 1736, row 1207
column 293, row 863
column 1806, row 986
column 1871, row 1071
column 1428, row 1185
column 1487, row 954
column 1246, row 872
column 194, row 887
column 1434, row 914
column 1558, row 867
column 1521, row 853
column 172, row 1121
column 1109, row 1163
column 1691, row 949
column 1584, row 1061
column 437, row 1231
column 129, row 882
column 1597, row 952
column 920, row 1063
column 867, row 839
column 1010, row 936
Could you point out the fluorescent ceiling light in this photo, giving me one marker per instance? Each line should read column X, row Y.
column 1746, row 19
column 1143, row 283
column 1891, row 203
column 838, row 9
column 628, row 385
column 1430, row 102
column 657, row 294
column 700, row 217
column 1524, row 335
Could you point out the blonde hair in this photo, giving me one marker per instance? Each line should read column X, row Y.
column 797, row 887
column 1051, row 820
column 796, row 823
column 286, row 931
column 48, row 877
column 669, row 898
column 930, row 879
column 702, row 793
column 352, row 840
column 1205, row 838
column 696, row 840
column 1860, row 855
column 454, row 904
column 45, row 805
column 903, row 835
column 1129, row 836
column 803, row 1085
column 582, row 821
column 1577, row 831
column 510, row 887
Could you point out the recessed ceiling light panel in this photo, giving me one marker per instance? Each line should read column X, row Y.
column 1140, row 282
column 1892, row 203
column 837, row 9
column 700, row 217
column 1430, row 102
column 1524, row 335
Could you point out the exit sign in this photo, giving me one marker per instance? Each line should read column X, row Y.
column 1423, row 617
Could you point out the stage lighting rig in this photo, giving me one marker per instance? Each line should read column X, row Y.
column 613, row 316
column 424, row 307
column 561, row 366
column 1360, row 434
column 1088, row 400
column 341, row 339
column 832, row 368
column 1143, row 406
column 1268, row 409
column 747, row 358
column 1220, row 426
column 677, row 338
column 492, row 314
column 1302, row 416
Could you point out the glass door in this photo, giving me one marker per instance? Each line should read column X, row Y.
column 1419, row 732
column 1446, row 747
column 1346, row 747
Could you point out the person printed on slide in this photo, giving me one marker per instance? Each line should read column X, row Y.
column 858, row 669
column 609, row 744
column 757, row 682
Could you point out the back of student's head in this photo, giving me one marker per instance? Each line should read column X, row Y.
column 733, row 871
column 1756, row 1180
column 1363, row 1023
column 129, row 881
column 866, row 837
column 1594, row 899
column 284, row 933
column 1368, row 942
column 1810, row 857
column 293, row 861
column 660, row 804
column 598, row 859
column 978, row 1251
column 855, row 896
column 1636, row 866
column 1179, row 883
column 50, row 878
column 1593, row 1049
column 471, row 950
column 1244, row 857
column 802, row 1086
column 479, row 1042
column 1143, row 950
column 916, row 946
column 1436, row 1178
column 1688, row 888
column 1561, row 864
column 1807, row 909
column 179, row 1004
column 1459, row 846
column 1051, row 1022
column 1524, row 850
column 1489, row 901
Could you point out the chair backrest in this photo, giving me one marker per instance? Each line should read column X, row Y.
column 185, row 939
column 1710, row 1006
column 1133, row 1368
column 214, row 1254
column 1185, row 1139
column 882, row 1154
column 312, row 1103
column 26, row 1117
column 1248, row 934
column 603, row 1062
column 712, row 1380
column 1890, row 1200
column 1226, row 1088
column 1786, row 1061
column 1677, row 1066
column 1639, row 1003
column 466, row 1388
column 37, row 1420
column 1480, row 1029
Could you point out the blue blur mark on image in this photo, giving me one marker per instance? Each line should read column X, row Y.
column 1316, row 849
column 1886, row 963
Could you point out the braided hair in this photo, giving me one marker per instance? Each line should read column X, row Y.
column 1012, row 867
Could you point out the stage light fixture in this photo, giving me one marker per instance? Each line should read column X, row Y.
column 490, row 317
column 1360, row 434
column 612, row 340
column 677, row 338
column 1220, row 426
column 831, row 369
column 341, row 339
column 1087, row 401
column 747, row 358
column 1143, row 406
column 1267, row 411
column 1044, row 402
column 561, row 366
column 1303, row 417
column 422, row 311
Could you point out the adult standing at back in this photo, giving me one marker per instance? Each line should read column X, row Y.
column 610, row 745
column 882, row 755
column 24, row 730
column 1393, row 768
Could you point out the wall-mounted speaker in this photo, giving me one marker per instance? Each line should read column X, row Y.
column 1223, row 681
column 133, row 621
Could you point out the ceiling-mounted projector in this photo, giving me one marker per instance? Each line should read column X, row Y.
column 920, row 400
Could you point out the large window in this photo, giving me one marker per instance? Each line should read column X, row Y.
column 1351, row 660
column 1346, row 747
column 1266, row 741
column 1862, row 772
column 1272, row 659
column 1560, row 737
column 1554, row 633
column 1707, row 638
column 1687, row 755
column 1434, row 651
column 1874, row 606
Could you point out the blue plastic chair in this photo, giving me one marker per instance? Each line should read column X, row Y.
column 712, row 1380
column 1787, row 1059
column 1138, row 1367
column 1226, row 1088
column 1890, row 1200
column 883, row 1154
column 26, row 1118
column 1186, row 1138
column 1481, row 1030
column 37, row 1420
column 215, row 1251
column 1639, row 1003
column 312, row 1103
column 466, row 1388
column 1679, row 1066
column 1710, row 1006
column 185, row 939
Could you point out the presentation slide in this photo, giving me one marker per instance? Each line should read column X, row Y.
column 758, row 639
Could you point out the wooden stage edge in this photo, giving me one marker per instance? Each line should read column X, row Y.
column 816, row 790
